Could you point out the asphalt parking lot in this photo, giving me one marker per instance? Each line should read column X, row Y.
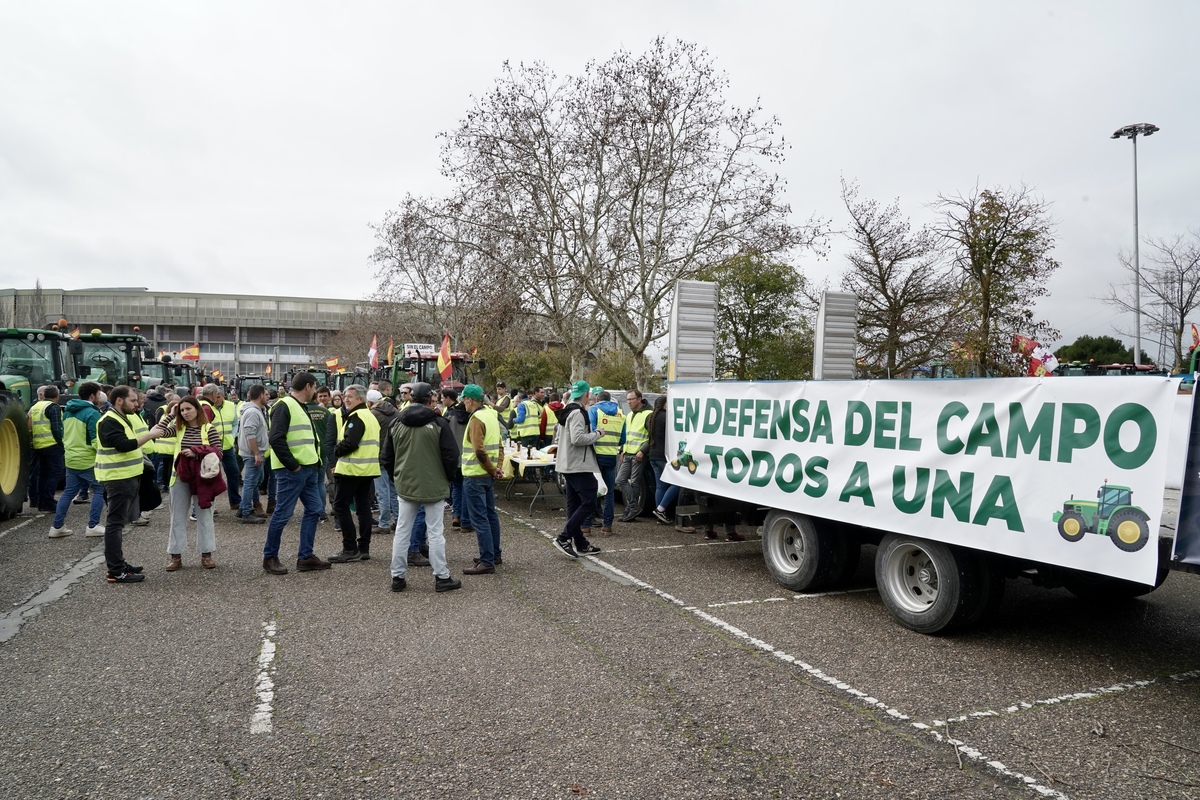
column 666, row 666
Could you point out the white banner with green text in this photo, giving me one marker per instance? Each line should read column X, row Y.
column 1066, row 471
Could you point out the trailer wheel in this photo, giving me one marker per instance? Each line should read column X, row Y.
column 1128, row 530
column 799, row 554
column 14, row 461
column 928, row 587
column 1071, row 526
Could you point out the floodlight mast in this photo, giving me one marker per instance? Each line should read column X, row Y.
column 1131, row 132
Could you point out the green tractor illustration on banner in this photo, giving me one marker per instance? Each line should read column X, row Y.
column 684, row 459
column 1112, row 514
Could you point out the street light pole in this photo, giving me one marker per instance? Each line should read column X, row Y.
column 1131, row 132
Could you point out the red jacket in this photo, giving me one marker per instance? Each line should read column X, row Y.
column 188, row 471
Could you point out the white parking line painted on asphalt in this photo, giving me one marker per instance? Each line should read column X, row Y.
column 18, row 527
column 861, row 696
column 11, row 622
column 1090, row 694
column 264, row 685
column 793, row 597
column 666, row 547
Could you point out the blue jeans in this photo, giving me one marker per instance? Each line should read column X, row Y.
column 324, row 492
column 457, row 507
column 385, row 494
column 233, row 476
column 665, row 493
column 420, row 531
column 76, row 480
column 290, row 487
column 250, row 484
column 608, row 471
column 479, row 495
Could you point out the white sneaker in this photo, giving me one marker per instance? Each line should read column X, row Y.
column 95, row 530
column 58, row 533
column 146, row 515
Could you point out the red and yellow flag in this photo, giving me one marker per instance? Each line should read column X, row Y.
column 75, row 332
column 267, row 371
column 1195, row 336
column 445, row 365
column 190, row 353
column 331, row 363
column 373, row 352
column 391, row 350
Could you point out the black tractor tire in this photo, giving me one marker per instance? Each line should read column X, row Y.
column 803, row 555
column 1129, row 529
column 15, row 450
column 1071, row 526
column 927, row 586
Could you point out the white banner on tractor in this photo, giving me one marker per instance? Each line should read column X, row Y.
column 1062, row 471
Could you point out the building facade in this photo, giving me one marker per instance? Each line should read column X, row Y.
column 237, row 334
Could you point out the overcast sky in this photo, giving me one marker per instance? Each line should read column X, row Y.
column 245, row 147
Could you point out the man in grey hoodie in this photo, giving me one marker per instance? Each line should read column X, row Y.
column 576, row 462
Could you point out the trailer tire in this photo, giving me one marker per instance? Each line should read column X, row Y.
column 928, row 587
column 1071, row 526
column 1128, row 530
column 800, row 554
column 14, row 456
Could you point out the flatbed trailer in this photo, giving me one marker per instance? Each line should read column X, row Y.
column 958, row 485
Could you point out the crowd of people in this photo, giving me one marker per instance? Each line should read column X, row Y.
column 383, row 464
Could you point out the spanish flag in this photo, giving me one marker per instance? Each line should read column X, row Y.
column 331, row 363
column 445, row 365
column 391, row 350
column 75, row 332
column 190, row 353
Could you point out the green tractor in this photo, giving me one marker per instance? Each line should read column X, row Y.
column 29, row 358
column 1112, row 514
column 684, row 459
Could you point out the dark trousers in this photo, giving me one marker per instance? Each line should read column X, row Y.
column 50, row 469
column 233, row 476
column 581, row 506
column 354, row 489
column 122, row 497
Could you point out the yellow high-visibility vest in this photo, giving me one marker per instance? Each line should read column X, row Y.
column 364, row 460
column 471, row 468
column 610, row 442
column 112, row 464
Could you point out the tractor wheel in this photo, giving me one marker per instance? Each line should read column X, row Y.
column 692, row 466
column 675, row 463
column 1128, row 530
column 1071, row 526
column 15, row 448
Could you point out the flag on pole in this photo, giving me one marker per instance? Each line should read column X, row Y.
column 331, row 363
column 190, row 353
column 391, row 351
column 268, row 370
column 1195, row 336
column 444, row 362
column 1042, row 362
column 75, row 332
column 373, row 352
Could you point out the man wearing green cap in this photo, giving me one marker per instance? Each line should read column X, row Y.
column 480, row 461
column 576, row 462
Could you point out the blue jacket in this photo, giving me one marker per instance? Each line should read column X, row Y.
column 610, row 408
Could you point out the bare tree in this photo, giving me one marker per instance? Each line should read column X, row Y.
column 37, row 306
column 611, row 186
column 1000, row 242
column 1170, row 282
column 909, row 300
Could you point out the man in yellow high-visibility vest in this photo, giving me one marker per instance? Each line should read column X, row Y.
column 46, row 429
column 294, row 462
column 119, row 464
column 631, row 463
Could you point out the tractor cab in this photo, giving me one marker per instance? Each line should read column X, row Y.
column 1111, row 498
